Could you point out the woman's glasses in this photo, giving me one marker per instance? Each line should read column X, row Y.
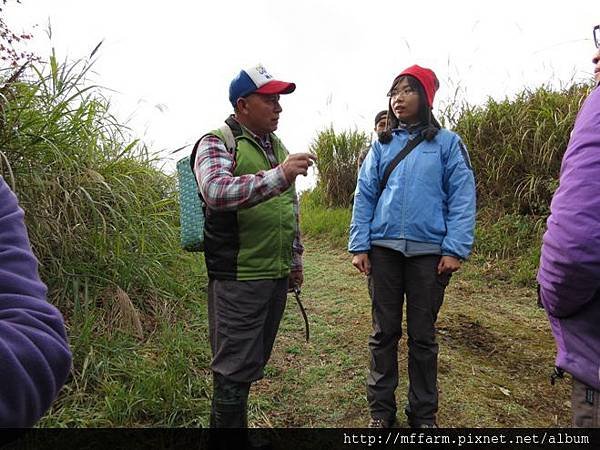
column 406, row 92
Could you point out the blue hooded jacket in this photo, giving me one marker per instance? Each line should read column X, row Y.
column 429, row 197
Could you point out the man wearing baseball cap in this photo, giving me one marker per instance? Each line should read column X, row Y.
column 252, row 243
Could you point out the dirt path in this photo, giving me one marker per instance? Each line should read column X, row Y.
column 496, row 354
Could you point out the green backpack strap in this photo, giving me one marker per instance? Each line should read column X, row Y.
column 229, row 130
column 229, row 138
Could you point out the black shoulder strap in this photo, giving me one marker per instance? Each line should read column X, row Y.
column 193, row 154
column 410, row 145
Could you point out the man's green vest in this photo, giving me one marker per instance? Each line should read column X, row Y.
column 252, row 243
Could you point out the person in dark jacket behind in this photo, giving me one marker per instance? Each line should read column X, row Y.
column 569, row 274
column 409, row 236
column 380, row 124
column 34, row 354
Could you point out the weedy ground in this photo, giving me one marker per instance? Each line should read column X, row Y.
column 496, row 354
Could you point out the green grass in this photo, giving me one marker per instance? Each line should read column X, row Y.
column 161, row 381
column 102, row 219
column 512, row 241
column 330, row 224
column 101, row 216
column 496, row 352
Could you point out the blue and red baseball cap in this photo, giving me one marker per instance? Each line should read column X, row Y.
column 257, row 80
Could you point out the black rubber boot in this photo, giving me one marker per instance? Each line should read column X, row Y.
column 229, row 410
column 230, row 403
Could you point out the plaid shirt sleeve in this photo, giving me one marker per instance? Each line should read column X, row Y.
column 214, row 167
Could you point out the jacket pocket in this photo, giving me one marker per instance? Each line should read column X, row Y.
column 428, row 164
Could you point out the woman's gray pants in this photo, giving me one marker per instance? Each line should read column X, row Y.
column 393, row 276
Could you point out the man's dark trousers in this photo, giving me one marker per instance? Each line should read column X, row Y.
column 392, row 276
column 243, row 321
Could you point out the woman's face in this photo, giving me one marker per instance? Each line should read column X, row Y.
column 405, row 102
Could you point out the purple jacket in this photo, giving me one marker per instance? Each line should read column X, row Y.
column 34, row 354
column 569, row 273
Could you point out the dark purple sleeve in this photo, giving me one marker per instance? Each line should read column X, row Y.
column 569, row 273
column 34, row 354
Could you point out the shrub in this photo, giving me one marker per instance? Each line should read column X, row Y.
column 516, row 146
column 337, row 161
column 102, row 219
column 100, row 215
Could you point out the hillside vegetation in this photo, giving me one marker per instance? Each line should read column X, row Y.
column 103, row 221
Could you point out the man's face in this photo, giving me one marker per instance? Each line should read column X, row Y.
column 380, row 125
column 596, row 61
column 260, row 112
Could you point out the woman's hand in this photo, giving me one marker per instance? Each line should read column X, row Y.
column 448, row 264
column 362, row 263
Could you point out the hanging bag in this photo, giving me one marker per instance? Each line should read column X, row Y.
column 191, row 205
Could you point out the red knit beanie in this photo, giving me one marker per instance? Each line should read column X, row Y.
column 427, row 79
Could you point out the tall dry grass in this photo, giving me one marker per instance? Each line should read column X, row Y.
column 516, row 146
column 99, row 213
column 103, row 221
column 337, row 162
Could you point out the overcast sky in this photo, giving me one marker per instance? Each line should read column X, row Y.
column 171, row 62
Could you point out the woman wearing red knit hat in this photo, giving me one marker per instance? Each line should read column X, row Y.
column 412, row 226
